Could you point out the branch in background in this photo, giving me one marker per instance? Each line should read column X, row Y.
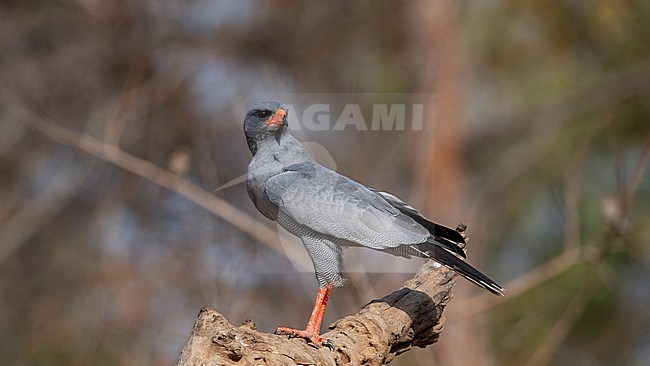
column 615, row 213
column 115, row 155
column 535, row 277
column 638, row 172
column 25, row 221
column 409, row 317
column 572, row 190
column 563, row 325
column 606, row 94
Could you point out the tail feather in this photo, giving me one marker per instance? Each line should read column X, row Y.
column 432, row 250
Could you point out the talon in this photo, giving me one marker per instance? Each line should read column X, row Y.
column 329, row 344
column 320, row 342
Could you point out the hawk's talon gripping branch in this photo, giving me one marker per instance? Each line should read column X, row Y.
column 329, row 212
column 313, row 326
column 329, row 344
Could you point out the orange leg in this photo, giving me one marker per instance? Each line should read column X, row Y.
column 313, row 326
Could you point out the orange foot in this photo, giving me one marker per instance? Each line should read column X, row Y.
column 311, row 336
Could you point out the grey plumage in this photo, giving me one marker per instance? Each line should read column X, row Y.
column 329, row 211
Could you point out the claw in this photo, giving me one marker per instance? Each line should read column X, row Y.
column 329, row 344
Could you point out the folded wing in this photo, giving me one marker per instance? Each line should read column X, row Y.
column 334, row 205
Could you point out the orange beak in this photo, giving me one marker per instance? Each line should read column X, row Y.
column 276, row 119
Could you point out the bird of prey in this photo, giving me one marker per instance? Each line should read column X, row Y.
column 329, row 211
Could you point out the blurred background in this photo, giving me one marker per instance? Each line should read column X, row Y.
column 120, row 119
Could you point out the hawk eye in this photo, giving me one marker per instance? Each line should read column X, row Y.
column 262, row 113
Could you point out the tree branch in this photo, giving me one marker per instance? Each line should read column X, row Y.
column 381, row 330
column 113, row 154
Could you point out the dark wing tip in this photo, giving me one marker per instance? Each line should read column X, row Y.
column 450, row 245
column 448, row 237
column 447, row 233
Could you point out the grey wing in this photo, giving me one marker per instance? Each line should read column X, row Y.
column 334, row 205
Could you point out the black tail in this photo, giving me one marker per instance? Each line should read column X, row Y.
column 433, row 250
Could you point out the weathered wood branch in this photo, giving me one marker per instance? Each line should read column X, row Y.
column 409, row 317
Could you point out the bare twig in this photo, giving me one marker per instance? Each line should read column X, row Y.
column 129, row 95
column 637, row 174
column 572, row 174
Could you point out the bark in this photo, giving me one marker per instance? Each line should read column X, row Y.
column 384, row 328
